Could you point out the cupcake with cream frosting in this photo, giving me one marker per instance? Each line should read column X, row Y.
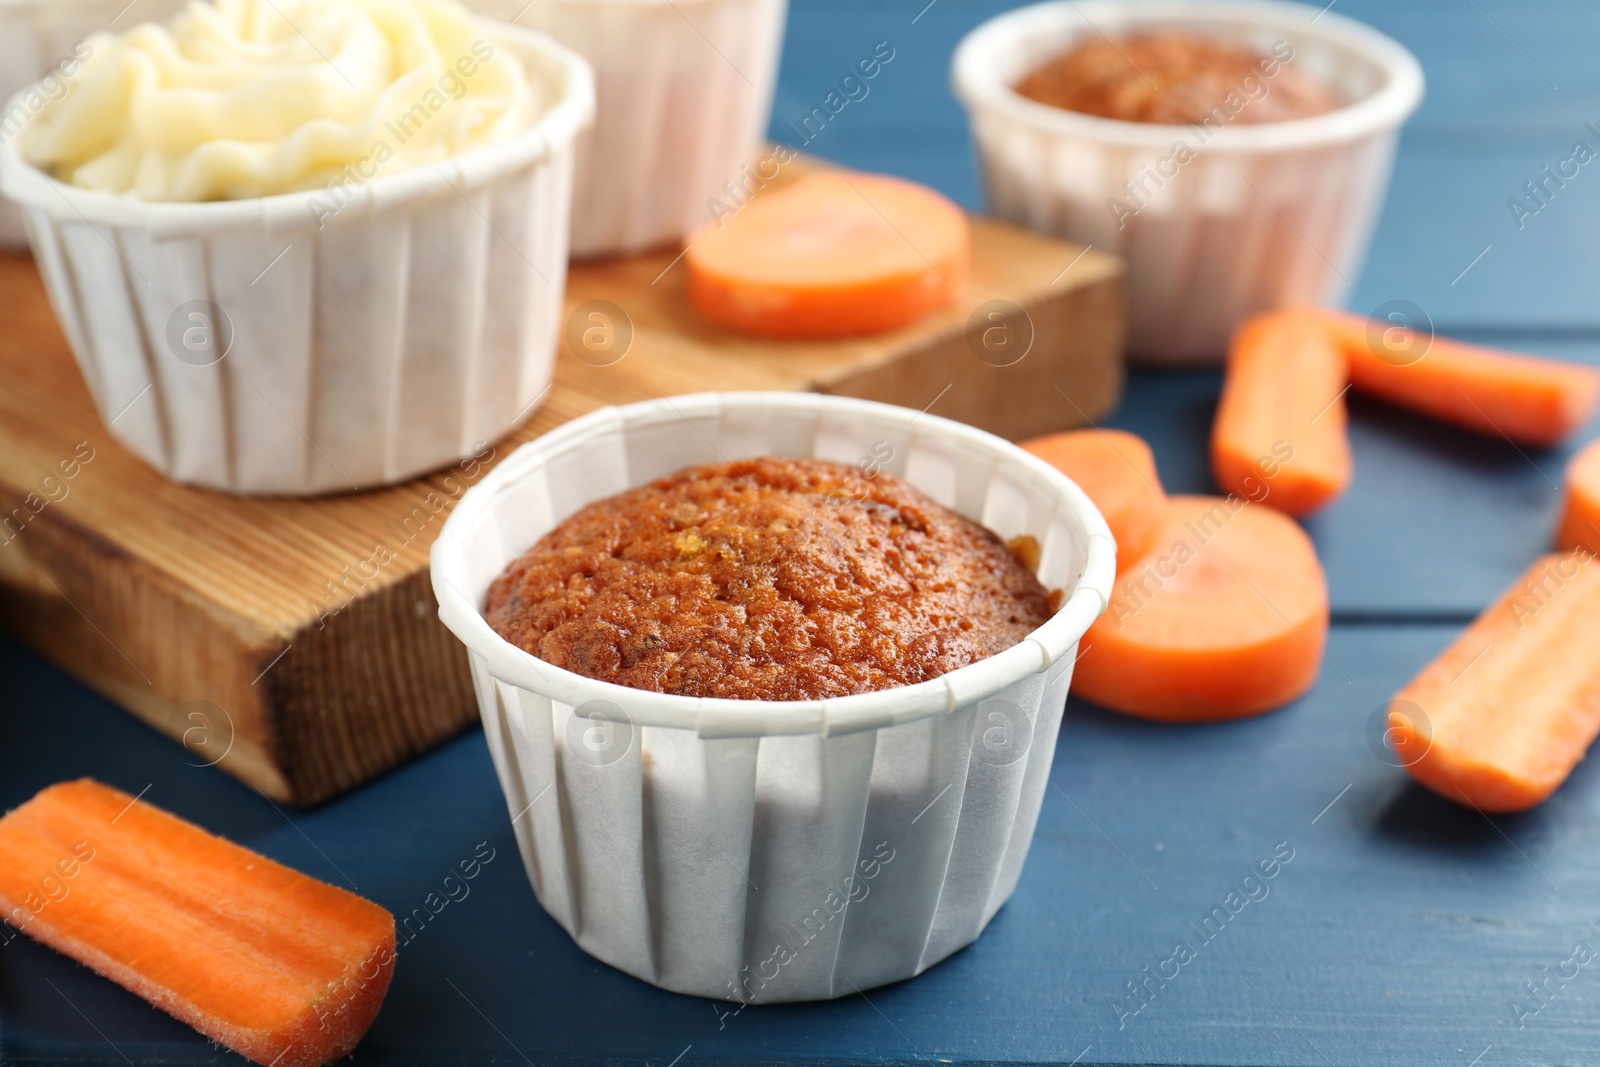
column 334, row 234
column 251, row 98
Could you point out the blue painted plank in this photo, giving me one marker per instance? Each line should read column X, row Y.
column 1400, row 932
column 1447, row 206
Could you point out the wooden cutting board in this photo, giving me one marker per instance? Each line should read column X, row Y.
column 260, row 633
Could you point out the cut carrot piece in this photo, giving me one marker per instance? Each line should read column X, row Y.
column 1280, row 437
column 832, row 255
column 1529, row 400
column 277, row 966
column 1500, row 719
column 1580, row 515
column 1226, row 616
column 1118, row 472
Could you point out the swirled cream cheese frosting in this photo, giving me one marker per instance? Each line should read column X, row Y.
column 248, row 98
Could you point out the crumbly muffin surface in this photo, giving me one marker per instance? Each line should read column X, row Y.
column 770, row 579
column 1175, row 79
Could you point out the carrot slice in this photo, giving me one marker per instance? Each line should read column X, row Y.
column 1499, row 720
column 1280, row 437
column 1225, row 617
column 1528, row 400
column 832, row 255
column 1118, row 472
column 277, row 966
column 1580, row 516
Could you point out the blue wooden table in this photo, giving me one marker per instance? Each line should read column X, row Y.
column 1403, row 931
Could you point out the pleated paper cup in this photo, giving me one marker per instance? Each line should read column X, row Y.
column 1262, row 216
column 762, row 851
column 323, row 341
column 47, row 39
column 684, row 91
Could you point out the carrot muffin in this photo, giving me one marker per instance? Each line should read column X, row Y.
column 767, row 579
column 1176, row 79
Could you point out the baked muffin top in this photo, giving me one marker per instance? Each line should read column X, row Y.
column 1177, row 79
column 768, row 579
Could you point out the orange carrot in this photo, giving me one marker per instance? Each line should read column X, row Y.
column 833, row 255
column 1118, row 472
column 1225, row 617
column 279, row 967
column 1580, row 516
column 1528, row 400
column 1499, row 720
column 1280, row 437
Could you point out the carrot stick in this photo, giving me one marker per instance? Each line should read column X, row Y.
column 1580, row 515
column 1224, row 617
column 1118, row 472
column 1279, row 437
column 1499, row 720
column 832, row 255
column 1525, row 399
column 279, row 967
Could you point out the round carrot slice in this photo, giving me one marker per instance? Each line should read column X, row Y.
column 832, row 255
column 1580, row 517
column 1225, row 616
column 1118, row 472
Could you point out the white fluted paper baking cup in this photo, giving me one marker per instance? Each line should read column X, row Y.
column 766, row 851
column 683, row 89
column 1263, row 216
column 360, row 344
column 41, row 37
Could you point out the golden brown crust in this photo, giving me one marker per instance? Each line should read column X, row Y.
column 769, row 579
column 1175, row 79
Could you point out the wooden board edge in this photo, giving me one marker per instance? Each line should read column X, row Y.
column 346, row 713
column 59, row 597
